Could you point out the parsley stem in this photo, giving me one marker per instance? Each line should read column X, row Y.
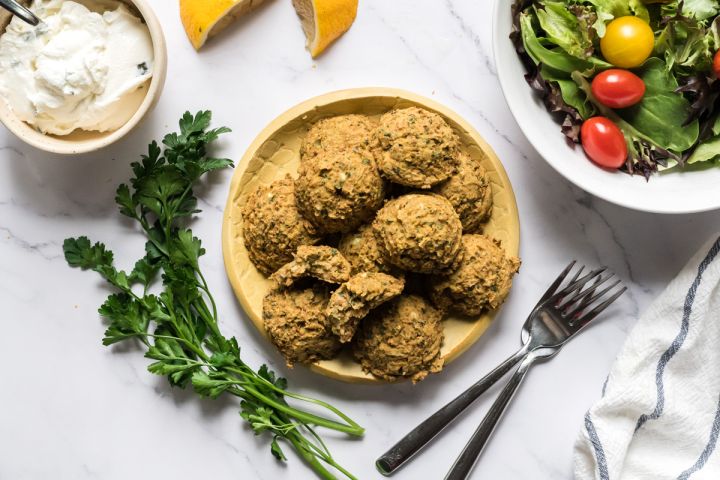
column 353, row 427
column 180, row 326
column 309, row 457
column 309, row 451
column 299, row 414
column 298, row 443
column 207, row 291
column 209, row 318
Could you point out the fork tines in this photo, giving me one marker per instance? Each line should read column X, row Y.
column 581, row 292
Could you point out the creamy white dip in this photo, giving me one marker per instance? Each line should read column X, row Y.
column 85, row 66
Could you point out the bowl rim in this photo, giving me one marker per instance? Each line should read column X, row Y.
column 523, row 121
column 56, row 144
column 297, row 111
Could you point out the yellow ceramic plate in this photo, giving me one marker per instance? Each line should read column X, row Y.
column 275, row 152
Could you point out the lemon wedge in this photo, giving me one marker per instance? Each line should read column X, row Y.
column 204, row 19
column 323, row 21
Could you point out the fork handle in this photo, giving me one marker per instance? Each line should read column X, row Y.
column 468, row 457
column 411, row 443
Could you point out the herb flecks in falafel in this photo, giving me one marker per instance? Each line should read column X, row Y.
column 320, row 262
column 482, row 279
column 417, row 147
column 401, row 339
column 273, row 228
column 352, row 302
column 470, row 193
column 361, row 250
column 296, row 322
column 338, row 191
column 338, row 134
column 419, row 233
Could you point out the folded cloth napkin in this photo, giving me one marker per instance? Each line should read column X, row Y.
column 659, row 415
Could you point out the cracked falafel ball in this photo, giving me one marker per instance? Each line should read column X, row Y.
column 338, row 191
column 417, row 147
column 418, row 232
column 318, row 261
column 400, row 339
column 337, row 134
column 273, row 228
column 357, row 297
column 296, row 322
column 482, row 279
column 469, row 192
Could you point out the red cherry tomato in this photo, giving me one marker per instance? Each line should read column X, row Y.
column 716, row 63
column 603, row 142
column 617, row 88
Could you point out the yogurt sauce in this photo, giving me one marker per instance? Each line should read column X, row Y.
column 85, row 66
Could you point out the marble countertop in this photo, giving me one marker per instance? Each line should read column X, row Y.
column 73, row 409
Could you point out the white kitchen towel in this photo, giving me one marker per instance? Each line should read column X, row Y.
column 659, row 415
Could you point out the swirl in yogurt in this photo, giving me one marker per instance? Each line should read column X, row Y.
column 86, row 66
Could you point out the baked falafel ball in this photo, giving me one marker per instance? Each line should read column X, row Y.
column 417, row 147
column 357, row 297
column 317, row 261
column 337, row 134
column 273, row 228
column 469, row 192
column 296, row 322
column 400, row 339
column 482, row 279
column 360, row 248
column 418, row 232
column 337, row 191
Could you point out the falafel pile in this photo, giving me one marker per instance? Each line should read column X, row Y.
column 377, row 239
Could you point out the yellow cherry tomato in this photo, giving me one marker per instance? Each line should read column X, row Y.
column 628, row 42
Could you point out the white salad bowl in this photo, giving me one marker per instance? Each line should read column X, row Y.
column 84, row 141
column 674, row 191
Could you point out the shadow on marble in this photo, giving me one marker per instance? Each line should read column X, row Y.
column 644, row 249
column 83, row 186
column 209, row 408
column 80, row 185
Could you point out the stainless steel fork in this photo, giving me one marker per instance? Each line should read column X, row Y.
column 559, row 315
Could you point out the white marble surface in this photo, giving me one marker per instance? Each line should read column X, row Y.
column 73, row 409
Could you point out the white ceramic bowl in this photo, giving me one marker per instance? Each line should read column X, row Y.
column 678, row 192
column 82, row 141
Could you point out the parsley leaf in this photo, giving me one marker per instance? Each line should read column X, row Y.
column 179, row 326
column 80, row 253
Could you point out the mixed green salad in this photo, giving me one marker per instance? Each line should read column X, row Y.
column 634, row 81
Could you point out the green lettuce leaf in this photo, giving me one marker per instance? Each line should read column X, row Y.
column 563, row 28
column 686, row 45
column 610, row 9
column 706, row 151
column 570, row 91
column 661, row 113
column 701, row 9
column 709, row 150
column 557, row 59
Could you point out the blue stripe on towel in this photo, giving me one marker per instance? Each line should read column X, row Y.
column 605, row 385
column 597, row 447
column 679, row 339
column 708, row 450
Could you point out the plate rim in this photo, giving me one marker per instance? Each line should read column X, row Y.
column 297, row 111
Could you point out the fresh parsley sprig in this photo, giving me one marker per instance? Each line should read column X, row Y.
column 179, row 325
